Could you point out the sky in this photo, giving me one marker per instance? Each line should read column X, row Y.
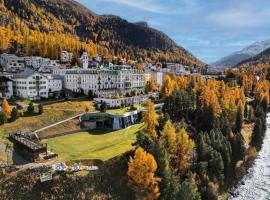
column 209, row 29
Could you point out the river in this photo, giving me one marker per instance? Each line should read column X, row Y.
column 256, row 184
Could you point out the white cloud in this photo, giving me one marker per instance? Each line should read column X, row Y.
column 159, row 6
column 145, row 5
column 240, row 17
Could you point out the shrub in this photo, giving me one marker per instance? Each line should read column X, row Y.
column 30, row 108
column 3, row 118
column 40, row 109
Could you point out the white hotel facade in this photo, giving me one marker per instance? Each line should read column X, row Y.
column 105, row 82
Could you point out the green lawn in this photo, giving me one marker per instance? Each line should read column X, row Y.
column 31, row 123
column 121, row 111
column 94, row 144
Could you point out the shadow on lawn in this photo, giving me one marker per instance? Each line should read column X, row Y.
column 101, row 131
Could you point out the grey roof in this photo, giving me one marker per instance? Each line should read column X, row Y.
column 24, row 74
column 57, row 77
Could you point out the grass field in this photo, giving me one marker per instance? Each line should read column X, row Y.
column 76, row 105
column 35, row 122
column 52, row 113
column 70, row 125
column 121, row 111
column 94, row 144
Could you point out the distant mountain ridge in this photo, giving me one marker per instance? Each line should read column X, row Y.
column 240, row 56
column 261, row 58
column 135, row 39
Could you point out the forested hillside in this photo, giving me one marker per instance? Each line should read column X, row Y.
column 261, row 59
column 50, row 26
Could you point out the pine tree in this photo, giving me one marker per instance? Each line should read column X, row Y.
column 169, row 185
column 239, row 120
column 6, row 107
column 238, row 147
column 188, row 190
column 141, row 172
column 144, row 141
column 257, row 134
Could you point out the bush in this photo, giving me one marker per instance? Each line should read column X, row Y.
column 132, row 107
column 3, row 118
column 103, row 107
column 14, row 114
column 40, row 109
column 31, row 108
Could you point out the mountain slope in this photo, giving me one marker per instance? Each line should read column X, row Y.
column 70, row 17
column 261, row 58
column 245, row 54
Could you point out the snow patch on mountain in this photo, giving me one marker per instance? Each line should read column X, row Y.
column 239, row 56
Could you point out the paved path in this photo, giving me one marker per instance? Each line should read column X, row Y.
column 57, row 123
column 62, row 109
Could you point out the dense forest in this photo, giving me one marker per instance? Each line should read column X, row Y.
column 51, row 26
column 195, row 149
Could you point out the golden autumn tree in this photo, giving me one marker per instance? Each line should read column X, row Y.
column 6, row 107
column 139, row 67
column 209, row 99
column 185, row 146
column 105, row 52
column 150, row 119
column 152, row 84
column 262, row 91
column 182, row 82
column 141, row 173
column 168, row 136
column 168, row 86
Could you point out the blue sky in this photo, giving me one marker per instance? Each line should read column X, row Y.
column 210, row 29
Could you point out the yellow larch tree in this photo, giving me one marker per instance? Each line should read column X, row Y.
column 139, row 67
column 168, row 136
column 262, row 91
column 168, row 86
column 209, row 99
column 150, row 119
column 141, row 173
column 185, row 146
column 6, row 107
column 152, row 84
column 182, row 82
column 105, row 52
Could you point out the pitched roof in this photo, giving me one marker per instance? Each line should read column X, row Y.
column 24, row 74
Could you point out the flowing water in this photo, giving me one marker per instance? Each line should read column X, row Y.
column 256, row 184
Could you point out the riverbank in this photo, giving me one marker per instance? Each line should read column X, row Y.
column 255, row 183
